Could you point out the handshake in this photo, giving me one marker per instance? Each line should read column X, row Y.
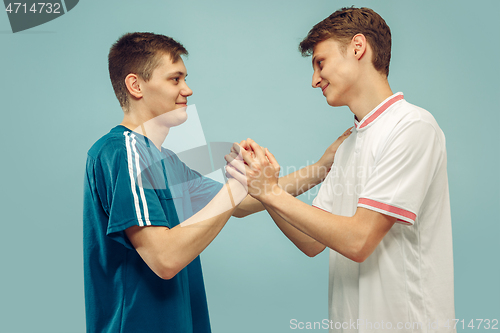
column 256, row 170
column 254, row 167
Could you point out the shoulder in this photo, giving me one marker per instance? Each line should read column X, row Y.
column 173, row 161
column 417, row 120
column 111, row 146
column 410, row 113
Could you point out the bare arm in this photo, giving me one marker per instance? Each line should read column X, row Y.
column 308, row 245
column 294, row 183
column 167, row 251
column 354, row 237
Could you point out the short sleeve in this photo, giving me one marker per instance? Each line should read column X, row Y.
column 404, row 170
column 201, row 189
column 127, row 198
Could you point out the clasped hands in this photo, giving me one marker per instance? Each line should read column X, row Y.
column 254, row 167
column 258, row 171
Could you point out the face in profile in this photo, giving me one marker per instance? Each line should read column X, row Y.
column 165, row 94
column 335, row 71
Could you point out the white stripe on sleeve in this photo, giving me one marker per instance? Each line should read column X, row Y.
column 132, row 183
column 139, row 182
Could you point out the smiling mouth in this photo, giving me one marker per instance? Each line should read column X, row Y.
column 323, row 89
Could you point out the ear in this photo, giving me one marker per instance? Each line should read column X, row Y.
column 133, row 86
column 358, row 44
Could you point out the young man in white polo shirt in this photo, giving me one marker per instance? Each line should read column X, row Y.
column 383, row 209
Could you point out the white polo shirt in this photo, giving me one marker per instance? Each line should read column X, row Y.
column 394, row 162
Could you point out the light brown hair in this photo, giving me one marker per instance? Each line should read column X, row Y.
column 347, row 22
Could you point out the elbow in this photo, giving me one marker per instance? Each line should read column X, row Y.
column 358, row 257
column 239, row 213
column 168, row 270
column 312, row 252
column 167, row 273
column 359, row 253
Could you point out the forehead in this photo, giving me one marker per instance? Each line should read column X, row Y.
column 166, row 65
column 328, row 46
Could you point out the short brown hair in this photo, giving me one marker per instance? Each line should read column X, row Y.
column 347, row 22
column 139, row 53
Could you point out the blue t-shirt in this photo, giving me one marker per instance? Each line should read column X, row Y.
column 130, row 182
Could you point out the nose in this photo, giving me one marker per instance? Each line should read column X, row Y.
column 186, row 91
column 316, row 79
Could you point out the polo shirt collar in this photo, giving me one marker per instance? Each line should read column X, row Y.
column 375, row 113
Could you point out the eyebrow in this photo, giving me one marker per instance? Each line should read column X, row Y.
column 178, row 73
column 313, row 59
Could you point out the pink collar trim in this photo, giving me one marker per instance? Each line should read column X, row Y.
column 375, row 113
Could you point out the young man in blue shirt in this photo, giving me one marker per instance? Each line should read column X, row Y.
column 147, row 216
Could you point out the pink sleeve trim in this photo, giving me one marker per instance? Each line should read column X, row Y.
column 388, row 208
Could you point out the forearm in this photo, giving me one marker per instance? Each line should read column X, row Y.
column 248, row 206
column 340, row 233
column 294, row 183
column 303, row 242
column 303, row 180
column 191, row 237
column 167, row 251
column 186, row 242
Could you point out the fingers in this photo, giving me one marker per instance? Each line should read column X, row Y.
column 236, row 148
column 257, row 149
column 232, row 172
column 272, row 159
column 236, row 162
column 244, row 144
column 249, row 151
column 248, row 156
column 348, row 132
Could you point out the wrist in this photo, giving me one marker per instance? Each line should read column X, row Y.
column 271, row 194
column 237, row 191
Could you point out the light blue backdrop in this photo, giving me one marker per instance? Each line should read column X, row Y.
column 249, row 80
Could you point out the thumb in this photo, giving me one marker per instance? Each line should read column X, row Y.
column 272, row 159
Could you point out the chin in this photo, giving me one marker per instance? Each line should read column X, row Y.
column 335, row 102
column 176, row 117
column 172, row 118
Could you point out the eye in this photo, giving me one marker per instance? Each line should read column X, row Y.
column 320, row 64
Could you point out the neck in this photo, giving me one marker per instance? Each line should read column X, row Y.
column 369, row 96
column 152, row 129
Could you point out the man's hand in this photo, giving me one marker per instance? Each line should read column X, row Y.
column 258, row 168
column 326, row 161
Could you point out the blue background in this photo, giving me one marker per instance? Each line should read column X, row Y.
column 249, row 80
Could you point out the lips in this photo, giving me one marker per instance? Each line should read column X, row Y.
column 323, row 89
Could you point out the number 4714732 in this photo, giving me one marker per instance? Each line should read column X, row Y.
column 36, row 8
